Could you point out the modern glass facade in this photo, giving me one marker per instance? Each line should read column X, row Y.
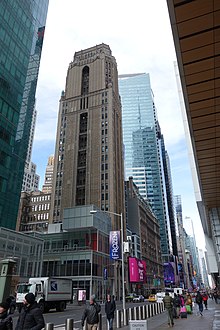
column 22, row 24
column 142, row 147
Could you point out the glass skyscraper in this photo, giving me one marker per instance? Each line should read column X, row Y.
column 22, row 24
column 142, row 148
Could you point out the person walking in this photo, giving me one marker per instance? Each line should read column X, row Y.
column 176, row 306
column 91, row 314
column 189, row 302
column 31, row 317
column 168, row 304
column 5, row 318
column 205, row 298
column 215, row 295
column 110, row 308
column 199, row 302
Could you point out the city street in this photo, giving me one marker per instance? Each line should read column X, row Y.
column 74, row 312
column 158, row 322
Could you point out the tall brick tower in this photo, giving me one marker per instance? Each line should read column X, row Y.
column 88, row 157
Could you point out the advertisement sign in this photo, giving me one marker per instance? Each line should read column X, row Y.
column 115, row 245
column 105, row 274
column 169, row 274
column 137, row 270
column 81, row 295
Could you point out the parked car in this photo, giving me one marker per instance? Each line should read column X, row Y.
column 130, row 297
column 138, row 298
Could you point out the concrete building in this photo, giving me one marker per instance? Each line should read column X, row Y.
column 34, row 212
column 143, row 149
column 182, row 260
column 30, row 179
column 25, row 250
column 169, row 196
column 88, row 165
column 79, row 249
column 22, row 26
column 195, row 26
column 142, row 223
column 48, row 180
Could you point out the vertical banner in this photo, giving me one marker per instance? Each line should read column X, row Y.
column 115, row 245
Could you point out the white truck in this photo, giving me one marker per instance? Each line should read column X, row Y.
column 50, row 292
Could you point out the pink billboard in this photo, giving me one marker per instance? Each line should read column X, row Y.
column 137, row 270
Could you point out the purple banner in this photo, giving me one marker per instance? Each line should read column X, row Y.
column 115, row 245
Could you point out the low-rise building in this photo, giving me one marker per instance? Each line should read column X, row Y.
column 34, row 212
column 25, row 250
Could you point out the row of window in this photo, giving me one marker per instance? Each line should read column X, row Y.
column 40, row 207
column 40, row 198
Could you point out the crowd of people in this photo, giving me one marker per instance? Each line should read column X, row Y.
column 182, row 304
column 178, row 306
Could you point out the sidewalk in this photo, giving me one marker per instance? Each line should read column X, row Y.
column 209, row 321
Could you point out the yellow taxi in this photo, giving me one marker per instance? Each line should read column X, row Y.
column 152, row 298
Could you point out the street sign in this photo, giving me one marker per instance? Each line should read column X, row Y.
column 138, row 324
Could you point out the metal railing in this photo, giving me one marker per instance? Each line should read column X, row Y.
column 122, row 318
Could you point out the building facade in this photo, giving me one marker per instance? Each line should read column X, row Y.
column 80, row 250
column 48, row 180
column 143, row 153
column 34, row 212
column 195, row 27
column 31, row 179
column 88, row 166
column 22, row 25
column 142, row 223
column 169, row 196
column 25, row 250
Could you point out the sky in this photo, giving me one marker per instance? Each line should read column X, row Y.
column 141, row 40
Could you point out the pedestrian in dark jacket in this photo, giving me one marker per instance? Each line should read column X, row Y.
column 199, row 302
column 168, row 304
column 176, row 305
column 91, row 314
column 5, row 319
column 31, row 317
column 110, row 310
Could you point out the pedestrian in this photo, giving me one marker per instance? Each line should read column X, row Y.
column 168, row 304
column 176, row 306
column 189, row 301
column 31, row 317
column 5, row 318
column 91, row 314
column 110, row 308
column 182, row 300
column 205, row 298
column 215, row 295
column 199, row 302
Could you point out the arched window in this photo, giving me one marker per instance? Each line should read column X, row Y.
column 85, row 81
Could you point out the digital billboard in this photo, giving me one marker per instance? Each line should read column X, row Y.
column 137, row 270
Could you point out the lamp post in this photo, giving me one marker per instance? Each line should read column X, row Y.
column 122, row 253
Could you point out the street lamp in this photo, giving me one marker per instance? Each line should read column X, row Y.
column 122, row 253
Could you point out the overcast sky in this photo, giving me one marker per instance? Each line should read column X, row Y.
column 139, row 35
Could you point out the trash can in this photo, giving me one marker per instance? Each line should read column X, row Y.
column 137, row 324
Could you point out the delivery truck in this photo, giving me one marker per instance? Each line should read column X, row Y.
column 50, row 292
